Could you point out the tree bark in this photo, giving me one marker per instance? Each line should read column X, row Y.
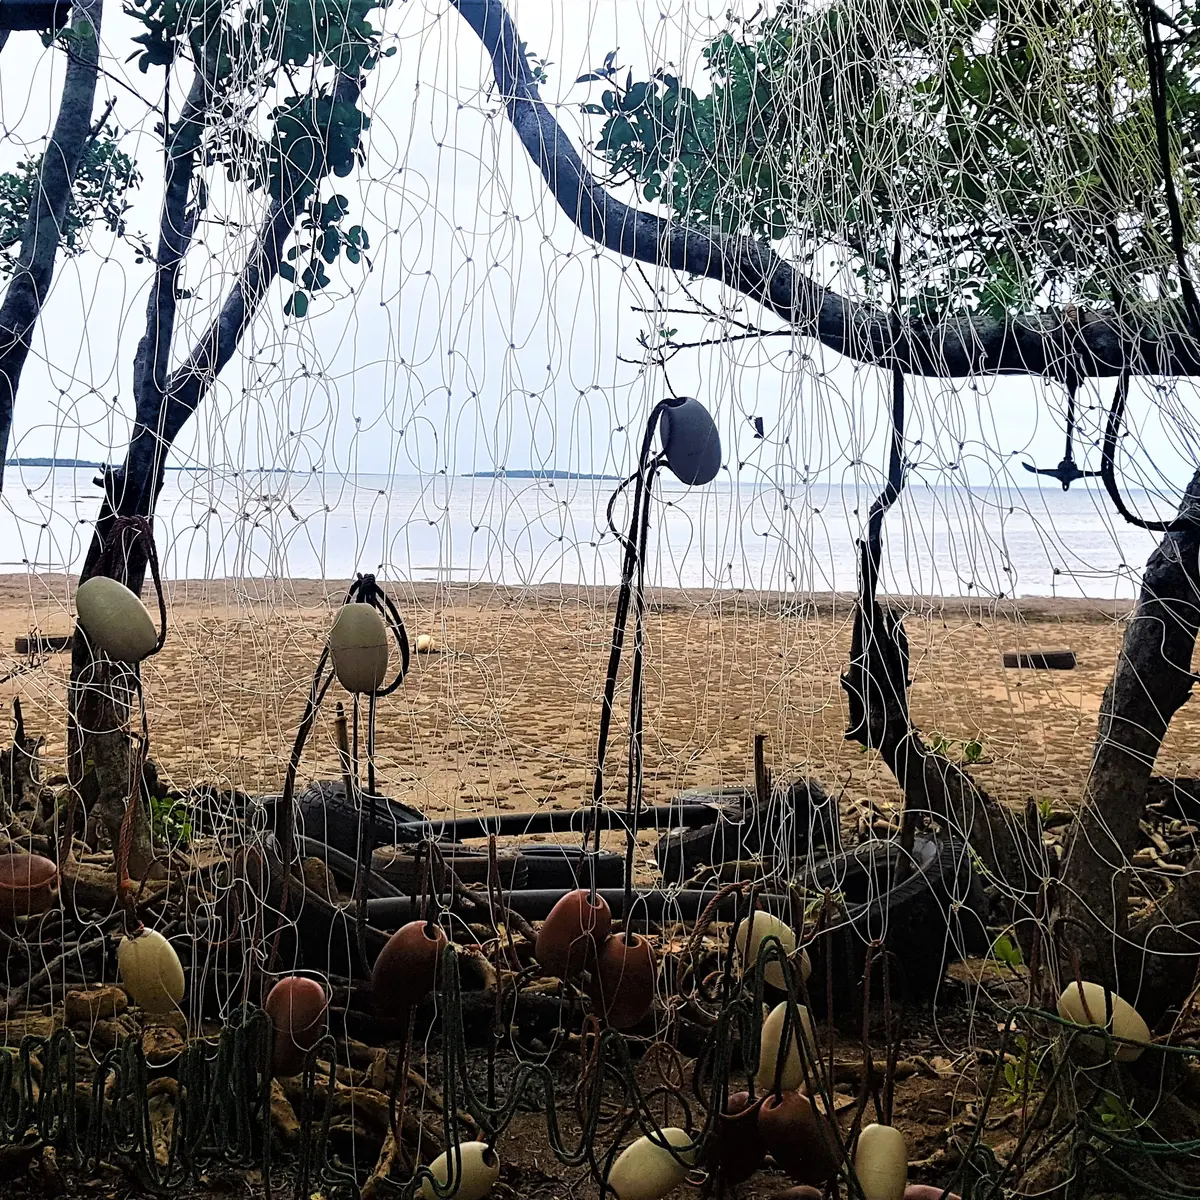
column 1102, row 343
column 1151, row 682
column 34, row 272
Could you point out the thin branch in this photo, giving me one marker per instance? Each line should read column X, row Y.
column 973, row 344
column 98, row 125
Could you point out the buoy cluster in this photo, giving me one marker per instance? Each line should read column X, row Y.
column 577, row 936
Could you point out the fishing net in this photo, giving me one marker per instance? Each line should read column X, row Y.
column 395, row 306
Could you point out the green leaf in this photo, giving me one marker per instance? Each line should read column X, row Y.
column 1004, row 950
column 297, row 305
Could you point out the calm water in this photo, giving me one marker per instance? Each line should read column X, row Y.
column 948, row 541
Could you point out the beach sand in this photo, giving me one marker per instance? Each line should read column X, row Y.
column 504, row 717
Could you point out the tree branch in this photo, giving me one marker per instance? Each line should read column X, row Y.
column 30, row 284
column 163, row 412
column 1031, row 344
column 176, row 229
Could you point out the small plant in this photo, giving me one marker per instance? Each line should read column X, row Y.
column 1021, row 1074
column 1006, row 951
column 971, row 753
column 170, row 822
column 1114, row 1112
column 1045, row 808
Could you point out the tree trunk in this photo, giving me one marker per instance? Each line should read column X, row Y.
column 1151, row 683
column 876, row 685
column 30, row 284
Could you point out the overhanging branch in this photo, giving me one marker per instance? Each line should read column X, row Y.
column 1103, row 343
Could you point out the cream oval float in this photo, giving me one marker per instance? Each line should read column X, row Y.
column 115, row 620
column 424, row 643
column 881, row 1163
column 792, row 1073
column 648, row 1171
column 751, row 935
column 151, row 972
column 358, row 644
column 478, row 1170
column 1092, row 1008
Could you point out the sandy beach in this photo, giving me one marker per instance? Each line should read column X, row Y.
column 503, row 717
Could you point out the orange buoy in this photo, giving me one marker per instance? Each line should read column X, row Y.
column 406, row 969
column 28, row 885
column 623, row 979
column 572, row 934
column 797, row 1138
column 297, row 1008
column 737, row 1150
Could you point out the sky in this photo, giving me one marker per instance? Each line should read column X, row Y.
column 487, row 332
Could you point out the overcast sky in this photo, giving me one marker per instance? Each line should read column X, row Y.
column 487, row 332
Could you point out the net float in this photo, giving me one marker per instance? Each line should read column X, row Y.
column 297, row 1007
column 881, row 1163
column 749, row 939
column 406, row 969
column 647, row 1170
column 737, row 1150
column 28, row 885
column 798, row 1138
column 115, row 620
column 424, row 643
column 690, row 440
column 791, row 1074
column 358, row 645
column 1092, row 1007
column 572, row 934
column 475, row 1174
column 623, row 979
column 151, row 972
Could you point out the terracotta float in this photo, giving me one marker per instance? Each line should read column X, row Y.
column 623, row 980
column 406, row 969
column 297, row 1007
column 572, row 934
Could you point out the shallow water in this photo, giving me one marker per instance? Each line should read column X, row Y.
column 949, row 541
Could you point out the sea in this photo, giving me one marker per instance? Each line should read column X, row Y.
column 1008, row 539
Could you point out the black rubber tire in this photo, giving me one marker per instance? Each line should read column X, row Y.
column 552, row 866
column 933, row 916
column 814, row 823
column 326, row 815
column 345, row 870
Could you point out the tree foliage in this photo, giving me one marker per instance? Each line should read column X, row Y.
column 105, row 177
column 1009, row 147
column 251, row 51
